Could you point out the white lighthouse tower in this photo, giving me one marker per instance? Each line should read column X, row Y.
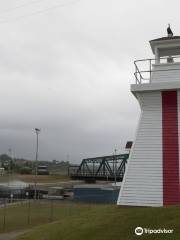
column 152, row 176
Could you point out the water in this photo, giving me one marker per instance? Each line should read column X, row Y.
column 15, row 188
column 14, row 184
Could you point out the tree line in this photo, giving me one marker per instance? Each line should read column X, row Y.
column 24, row 166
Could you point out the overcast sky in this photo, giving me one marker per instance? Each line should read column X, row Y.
column 66, row 67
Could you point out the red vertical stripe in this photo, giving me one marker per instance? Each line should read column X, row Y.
column 171, row 193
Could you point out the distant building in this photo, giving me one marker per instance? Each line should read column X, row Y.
column 42, row 170
column 1, row 171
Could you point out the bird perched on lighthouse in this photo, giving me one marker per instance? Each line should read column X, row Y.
column 169, row 31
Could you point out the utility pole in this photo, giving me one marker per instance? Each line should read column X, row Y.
column 37, row 131
column 115, row 166
column 10, row 161
column 10, row 167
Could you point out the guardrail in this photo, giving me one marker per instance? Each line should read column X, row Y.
column 144, row 68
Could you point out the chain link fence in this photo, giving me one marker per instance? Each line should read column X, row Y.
column 19, row 214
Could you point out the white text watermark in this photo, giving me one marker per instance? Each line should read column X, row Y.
column 139, row 231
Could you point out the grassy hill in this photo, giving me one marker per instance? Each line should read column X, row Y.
column 108, row 222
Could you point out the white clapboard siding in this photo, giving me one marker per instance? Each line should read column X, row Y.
column 162, row 75
column 142, row 183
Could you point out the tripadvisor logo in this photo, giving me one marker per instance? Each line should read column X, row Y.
column 139, row 231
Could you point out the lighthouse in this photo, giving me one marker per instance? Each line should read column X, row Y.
column 152, row 177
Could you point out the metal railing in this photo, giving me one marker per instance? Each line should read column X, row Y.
column 144, row 68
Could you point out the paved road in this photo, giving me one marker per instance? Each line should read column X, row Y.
column 11, row 235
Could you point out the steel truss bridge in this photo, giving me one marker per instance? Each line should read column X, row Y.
column 100, row 168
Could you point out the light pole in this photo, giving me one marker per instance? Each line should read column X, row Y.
column 10, row 166
column 37, row 131
column 115, row 166
column 10, row 161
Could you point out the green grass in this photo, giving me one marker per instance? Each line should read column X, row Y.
column 92, row 222
column 27, row 215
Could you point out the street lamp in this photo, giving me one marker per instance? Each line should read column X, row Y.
column 115, row 166
column 37, row 131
